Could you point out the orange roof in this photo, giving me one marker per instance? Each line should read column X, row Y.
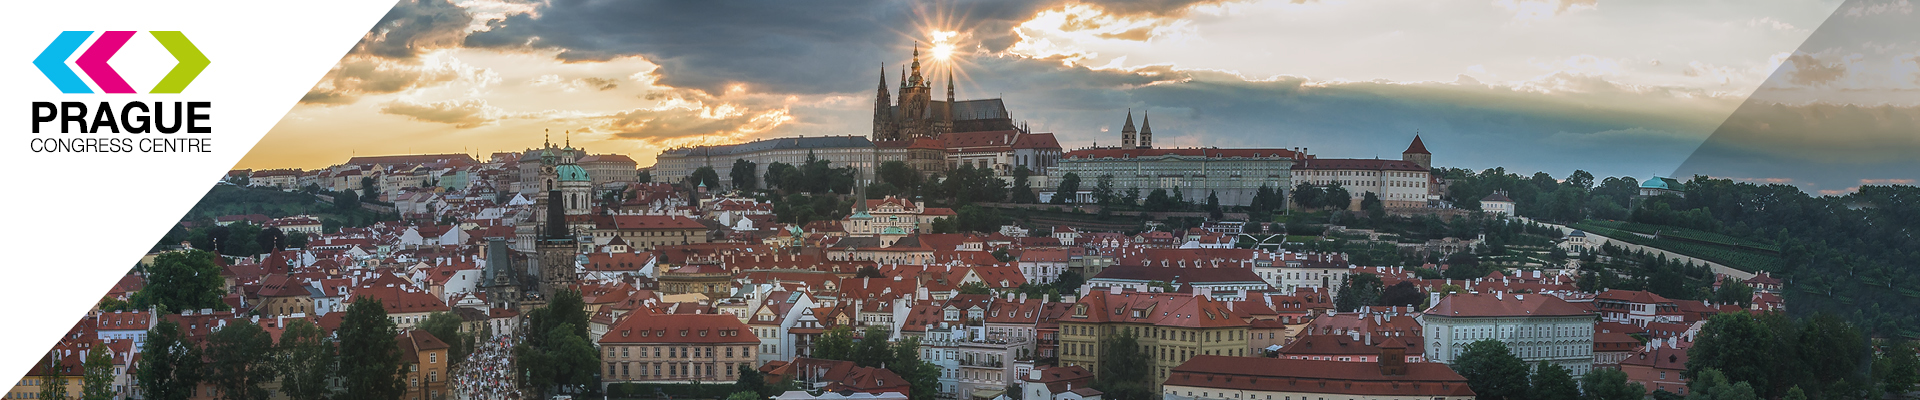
column 1506, row 305
column 1315, row 376
column 642, row 327
column 1164, row 309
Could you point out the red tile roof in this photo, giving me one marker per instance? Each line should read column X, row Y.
column 1314, row 376
column 1504, row 305
column 647, row 328
column 1164, row 309
column 1356, row 164
column 1207, row 152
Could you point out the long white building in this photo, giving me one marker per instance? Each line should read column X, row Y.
column 1535, row 327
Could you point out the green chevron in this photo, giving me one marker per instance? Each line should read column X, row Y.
column 191, row 62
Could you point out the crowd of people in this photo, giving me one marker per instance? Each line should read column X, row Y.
column 487, row 373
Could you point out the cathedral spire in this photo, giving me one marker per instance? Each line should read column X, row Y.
column 917, row 82
column 1127, row 132
column 949, row 86
column 1146, row 131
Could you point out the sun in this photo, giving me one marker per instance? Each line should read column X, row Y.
column 943, row 47
column 942, row 51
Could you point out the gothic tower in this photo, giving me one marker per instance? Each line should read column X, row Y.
column 502, row 282
column 916, row 97
column 1127, row 132
column 946, row 118
column 883, row 110
column 1146, row 131
column 555, row 243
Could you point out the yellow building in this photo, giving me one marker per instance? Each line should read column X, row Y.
column 70, row 370
column 1171, row 327
column 658, row 348
column 426, row 359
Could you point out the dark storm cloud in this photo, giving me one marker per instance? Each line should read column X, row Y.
column 386, row 59
column 778, row 47
column 413, row 26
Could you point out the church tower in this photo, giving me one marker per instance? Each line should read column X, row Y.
column 1127, row 132
column 916, row 97
column 1146, row 131
column 555, row 243
column 883, row 110
column 1417, row 153
column 502, row 281
column 576, row 187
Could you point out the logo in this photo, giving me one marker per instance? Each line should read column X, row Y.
column 52, row 62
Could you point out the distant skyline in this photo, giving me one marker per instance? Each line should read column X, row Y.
column 1612, row 87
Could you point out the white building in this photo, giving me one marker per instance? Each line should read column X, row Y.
column 1535, row 327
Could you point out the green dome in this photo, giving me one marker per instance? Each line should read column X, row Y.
column 571, row 173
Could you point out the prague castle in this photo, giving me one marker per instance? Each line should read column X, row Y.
column 917, row 115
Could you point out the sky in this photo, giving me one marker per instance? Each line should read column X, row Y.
column 1616, row 88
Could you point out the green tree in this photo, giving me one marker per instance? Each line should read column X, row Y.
column 923, row 376
column 704, row 176
column 873, row 349
column 644, row 177
column 1795, row 394
column 240, row 360
column 1491, row 371
column 899, row 174
column 1896, row 369
column 1123, row 372
column 1157, row 201
column 1373, row 206
column 369, row 345
column 835, row 344
column 1552, row 381
column 1610, row 384
column 752, row 381
column 743, row 174
column 1022, row 190
column 97, row 384
column 1359, row 290
column 306, row 361
column 744, row 395
column 556, row 355
column 571, row 361
column 169, row 365
column 1213, row 206
column 184, row 280
column 1737, row 346
column 1733, row 291
column 297, row 240
column 346, row 202
column 1307, row 196
column 54, row 386
column 1336, row 197
column 369, row 189
column 1069, row 188
column 446, row 327
column 1103, row 190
